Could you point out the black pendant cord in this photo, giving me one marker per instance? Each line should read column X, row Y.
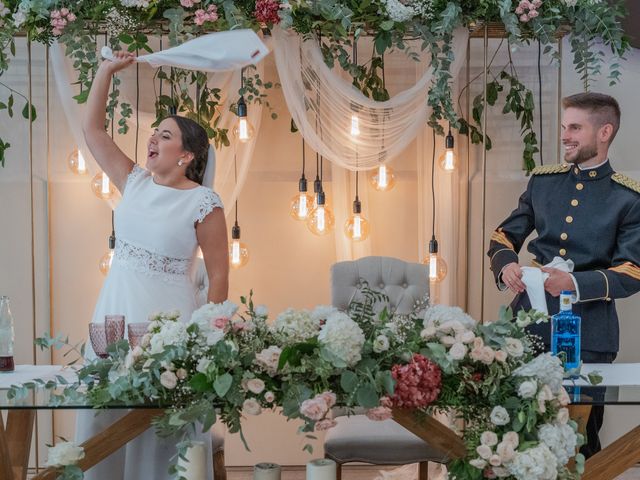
column 540, row 96
column 137, row 108
column 235, row 172
column 433, row 188
column 304, row 157
column 161, row 71
column 357, row 185
column 112, row 237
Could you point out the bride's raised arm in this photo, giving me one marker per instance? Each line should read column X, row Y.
column 110, row 158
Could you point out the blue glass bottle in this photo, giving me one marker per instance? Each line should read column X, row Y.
column 565, row 333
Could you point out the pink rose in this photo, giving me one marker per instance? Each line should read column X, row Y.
column 168, row 380
column 251, row 407
column 269, row 397
column 255, row 385
column 220, row 323
column 314, row 409
column 64, row 12
column 501, row 356
column 329, row 398
column 379, row 414
column 524, row 18
column 325, row 424
column 533, row 13
column 519, row 11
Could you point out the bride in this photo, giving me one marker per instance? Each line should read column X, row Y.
column 164, row 214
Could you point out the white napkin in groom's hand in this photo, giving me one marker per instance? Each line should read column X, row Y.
column 215, row 52
column 534, row 279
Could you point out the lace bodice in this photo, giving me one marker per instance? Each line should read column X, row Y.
column 156, row 225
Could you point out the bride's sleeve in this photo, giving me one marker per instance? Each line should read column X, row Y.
column 136, row 173
column 209, row 201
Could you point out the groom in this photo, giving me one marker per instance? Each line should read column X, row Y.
column 583, row 211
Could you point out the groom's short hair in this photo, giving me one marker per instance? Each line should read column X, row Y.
column 602, row 108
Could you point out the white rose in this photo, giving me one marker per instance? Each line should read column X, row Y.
column 501, row 472
column 489, row 439
column 458, row 351
column 478, row 463
column 447, row 340
column 269, row 396
column 478, row 343
column 487, row 355
column 495, row 460
column 501, row 356
column 466, row 337
column 63, row 454
column 268, row 359
column 428, row 333
column 381, row 344
column 203, row 365
column 528, row 389
column 145, row 341
column 499, row 416
column 261, row 311
column 251, row 407
column 484, row 451
column 511, row 438
column 181, row 373
column 168, row 379
column 506, row 451
column 514, row 347
column 563, row 416
column 563, row 398
column 544, row 395
column 255, row 385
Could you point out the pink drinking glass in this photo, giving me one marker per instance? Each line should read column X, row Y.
column 98, row 338
column 136, row 331
column 114, row 328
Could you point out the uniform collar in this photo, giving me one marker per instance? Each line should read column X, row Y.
column 595, row 173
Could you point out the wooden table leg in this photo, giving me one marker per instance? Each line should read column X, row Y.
column 19, row 432
column 433, row 432
column 5, row 459
column 111, row 439
column 615, row 459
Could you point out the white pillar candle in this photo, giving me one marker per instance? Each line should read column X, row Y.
column 266, row 471
column 195, row 462
column 321, row 469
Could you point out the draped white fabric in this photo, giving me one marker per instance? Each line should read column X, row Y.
column 143, row 117
column 325, row 106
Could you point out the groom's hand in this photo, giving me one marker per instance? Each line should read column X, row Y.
column 512, row 278
column 557, row 281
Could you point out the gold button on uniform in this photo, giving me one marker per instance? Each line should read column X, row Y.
column 576, row 171
column 569, row 219
column 574, row 203
column 564, row 236
column 593, row 174
column 579, row 186
column 563, row 252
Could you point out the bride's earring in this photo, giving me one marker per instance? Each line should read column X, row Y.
column 180, row 162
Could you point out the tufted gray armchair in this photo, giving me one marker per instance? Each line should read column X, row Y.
column 201, row 281
column 356, row 438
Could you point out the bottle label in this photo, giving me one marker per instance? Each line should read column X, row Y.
column 565, row 302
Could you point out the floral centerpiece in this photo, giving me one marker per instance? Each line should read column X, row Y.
column 436, row 359
column 338, row 26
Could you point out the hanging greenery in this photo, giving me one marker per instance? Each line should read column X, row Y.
column 591, row 25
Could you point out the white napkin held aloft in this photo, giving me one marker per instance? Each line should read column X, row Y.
column 534, row 279
column 215, row 52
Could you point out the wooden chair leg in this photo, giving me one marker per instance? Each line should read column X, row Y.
column 18, row 433
column 219, row 470
column 423, row 471
column 338, row 471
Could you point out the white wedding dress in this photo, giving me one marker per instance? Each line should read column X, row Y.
column 151, row 272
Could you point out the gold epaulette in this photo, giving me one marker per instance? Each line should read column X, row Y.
column 625, row 181
column 547, row 169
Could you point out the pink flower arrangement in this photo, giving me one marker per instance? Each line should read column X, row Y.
column 188, row 3
column 267, row 11
column 379, row 414
column 417, row 383
column 210, row 15
column 528, row 9
column 60, row 19
column 317, row 408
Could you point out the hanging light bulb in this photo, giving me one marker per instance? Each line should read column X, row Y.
column 105, row 262
column 76, row 162
column 355, row 125
column 383, row 179
column 302, row 203
column 357, row 227
column 238, row 251
column 448, row 161
column 243, row 130
column 102, row 187
column 321, row 219
column 437, row 265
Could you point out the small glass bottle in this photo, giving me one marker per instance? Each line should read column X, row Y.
column 7, row 336
column 565, row 333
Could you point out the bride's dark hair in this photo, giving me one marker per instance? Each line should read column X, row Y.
column 196, row 141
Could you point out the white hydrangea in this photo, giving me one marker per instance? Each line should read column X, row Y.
column 561, row 440
column 64, row 453
column 546, row 368
column 499, row 416
column 4, row 11
column 398, row 12
column 171, row 333
column 536, row 463
column 296, row 325
column 442, row 314
column 322, row 312
column 135, row 3
column 343, row 338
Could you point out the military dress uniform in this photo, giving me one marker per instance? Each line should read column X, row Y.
column 592, row 217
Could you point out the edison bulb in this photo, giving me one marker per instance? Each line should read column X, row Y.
column 243, row 130
column 105, row 262
column 437, row 267
column 448, row 161
column 102, row 186
column 238, row 254
column 321, row 220
column 301, row 206
column 383, row 178
column 356, row 228
column 355, row 125
column 77, row 163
